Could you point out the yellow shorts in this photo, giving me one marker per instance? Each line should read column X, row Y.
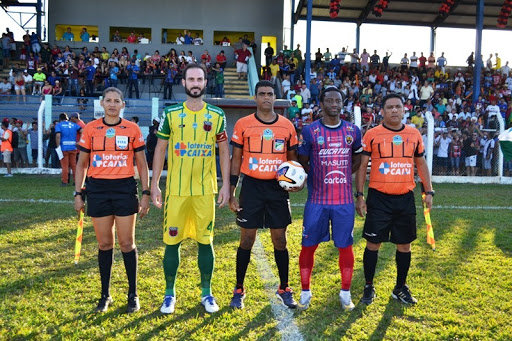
column 189, row 217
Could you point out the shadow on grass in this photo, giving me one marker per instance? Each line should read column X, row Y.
column 457, row 238
column 255, row 323
column 20, row 219
column 393, row 309
column 503, row 236
column 91, row 317
column 52, row 243
column 166, row 321
column 138, row 321
column 47, row 276
column 354, row 315
column 316, row 327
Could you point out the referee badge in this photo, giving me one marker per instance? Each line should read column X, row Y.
column 278, row 145
column 122, row 142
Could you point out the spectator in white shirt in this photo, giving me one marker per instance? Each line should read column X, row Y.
column 306, row 114
column 505, row 69
column 305, row 93
column 443, row 143
column 488, row 153
column 492, row 111
column 5, row 89
column 285, row 85
column 508, row 81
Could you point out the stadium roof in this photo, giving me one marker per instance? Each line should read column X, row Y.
column 405, row 12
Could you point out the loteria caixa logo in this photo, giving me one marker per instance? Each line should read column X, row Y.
column 193, row 149
column 180, row 149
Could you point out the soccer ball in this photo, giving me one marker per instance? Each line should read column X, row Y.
column 290, row 174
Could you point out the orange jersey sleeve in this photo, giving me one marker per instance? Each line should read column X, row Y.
column 392, row 155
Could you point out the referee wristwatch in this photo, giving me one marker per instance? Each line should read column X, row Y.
column 146, row 192
column 432, row 193
column 358, row 194
column 75, row 193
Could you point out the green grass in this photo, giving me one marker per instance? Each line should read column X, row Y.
column 463, row 287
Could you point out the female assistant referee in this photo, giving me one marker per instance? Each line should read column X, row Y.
column 108, row 147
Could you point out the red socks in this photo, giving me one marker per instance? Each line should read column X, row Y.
column 346, row 263
column 306, row 262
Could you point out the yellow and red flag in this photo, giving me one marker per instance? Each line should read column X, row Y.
column 430, row 230
column 79, row 233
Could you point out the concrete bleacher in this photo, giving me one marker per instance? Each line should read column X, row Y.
column 234, row 87
column 149, row 88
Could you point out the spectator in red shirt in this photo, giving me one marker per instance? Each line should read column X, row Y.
column 221, row 59
column 368, row 117
column 132, row 38
column 207, row 58
column 55, row 51
column 242, row 58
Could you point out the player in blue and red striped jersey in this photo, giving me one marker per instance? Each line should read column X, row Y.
column 330, row 152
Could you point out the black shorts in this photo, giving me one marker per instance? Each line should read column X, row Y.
column 264, row 204
column 390, row 214
column 106, row 197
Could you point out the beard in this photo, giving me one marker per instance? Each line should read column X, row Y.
column 194, row 95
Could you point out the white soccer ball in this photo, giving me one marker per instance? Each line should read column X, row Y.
column 290, row 174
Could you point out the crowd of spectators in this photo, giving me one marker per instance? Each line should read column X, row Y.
column 24, row 140
column 60, row 70
column 187, row 38
column 426, row 84
column 465, row 131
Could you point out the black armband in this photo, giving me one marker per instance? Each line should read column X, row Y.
column 233, row 180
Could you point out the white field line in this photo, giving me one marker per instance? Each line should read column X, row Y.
column 284, row 316
column 39, row 201
column 440, row 207
column 449, row 207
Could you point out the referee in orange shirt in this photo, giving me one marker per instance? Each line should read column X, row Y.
column 395, row 149
column 108, row 147
column 261, row 142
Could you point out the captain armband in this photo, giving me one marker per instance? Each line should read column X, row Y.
column 223, row 136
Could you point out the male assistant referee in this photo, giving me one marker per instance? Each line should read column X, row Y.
column 390, row 210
